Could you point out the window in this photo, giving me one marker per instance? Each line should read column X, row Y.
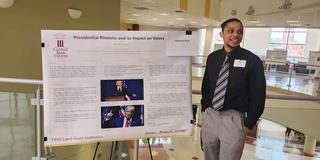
column 291, row 39
column 217, row 42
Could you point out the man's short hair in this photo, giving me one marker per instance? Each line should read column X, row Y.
column 225, row 23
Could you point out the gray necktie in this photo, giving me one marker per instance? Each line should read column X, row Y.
column 221, row 85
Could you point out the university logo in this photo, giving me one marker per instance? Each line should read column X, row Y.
column 60, row 51
column 60, row 43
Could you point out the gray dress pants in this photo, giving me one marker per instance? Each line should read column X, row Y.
column 223, row 134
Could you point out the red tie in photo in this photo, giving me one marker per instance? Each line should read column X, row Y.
column 126, row 124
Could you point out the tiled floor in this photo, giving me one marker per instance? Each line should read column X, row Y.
column 265, row 147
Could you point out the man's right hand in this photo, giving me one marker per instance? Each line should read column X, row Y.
column 109, row 115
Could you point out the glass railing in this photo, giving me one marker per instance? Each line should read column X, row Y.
column 17, row 129
column 298, row 77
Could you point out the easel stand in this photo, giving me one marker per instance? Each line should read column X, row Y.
column 95, row 152
column 150, row 152
column 118, row 150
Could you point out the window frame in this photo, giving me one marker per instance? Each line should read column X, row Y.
column 286, row 43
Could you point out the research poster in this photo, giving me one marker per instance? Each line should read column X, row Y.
column 115, row 85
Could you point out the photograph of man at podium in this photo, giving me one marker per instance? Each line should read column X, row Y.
column 122, row 116
column 122, row 90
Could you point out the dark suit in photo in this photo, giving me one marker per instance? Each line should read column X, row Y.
column 134, row 121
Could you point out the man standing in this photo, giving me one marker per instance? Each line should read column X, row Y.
column 233, row 95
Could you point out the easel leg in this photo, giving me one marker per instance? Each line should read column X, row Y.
column 150, row 149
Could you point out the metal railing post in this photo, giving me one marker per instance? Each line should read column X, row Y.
column 290, row 75
column 38, row 124
column 136, row 149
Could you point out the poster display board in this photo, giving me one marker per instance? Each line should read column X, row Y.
column 114, row 85
column 278, row 55
column 314, row 59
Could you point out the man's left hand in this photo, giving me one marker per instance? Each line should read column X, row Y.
column 247, row 130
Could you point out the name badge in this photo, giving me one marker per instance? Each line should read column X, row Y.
column 239, row 63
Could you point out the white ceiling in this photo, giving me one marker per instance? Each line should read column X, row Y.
column 161, row 13
column 267, row 13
